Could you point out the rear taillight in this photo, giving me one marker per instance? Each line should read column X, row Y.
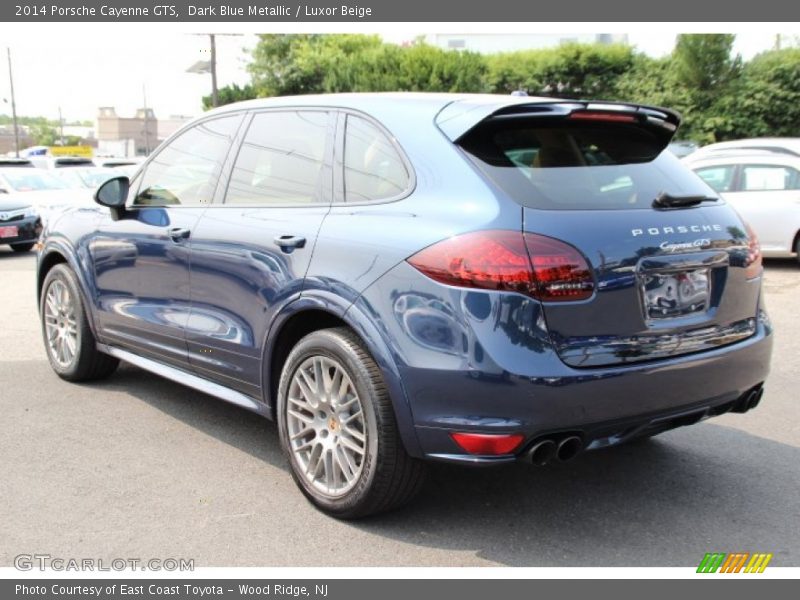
column 560, row 271
column 542, row 267
column 754, row 257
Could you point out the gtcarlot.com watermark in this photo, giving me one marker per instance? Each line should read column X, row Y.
column 44, row 562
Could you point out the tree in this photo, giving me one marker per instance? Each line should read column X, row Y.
column 569, row 70
column 766, row 100
column 300, row 63
column 304, row 64
column 708, row 73
column 43, row 134
column 231, row 93
column 703, row 62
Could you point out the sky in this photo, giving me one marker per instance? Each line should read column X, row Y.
column 80, row 67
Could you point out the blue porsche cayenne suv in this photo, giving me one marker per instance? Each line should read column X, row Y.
column 396, row 278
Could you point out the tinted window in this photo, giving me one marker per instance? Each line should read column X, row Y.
column 282, row 160
column 187, row 171
column 373, row 169
column 571, row 166
column 757, row 178
column 720, row 178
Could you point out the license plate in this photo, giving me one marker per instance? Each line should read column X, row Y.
column 9, row 231
column 668, row 295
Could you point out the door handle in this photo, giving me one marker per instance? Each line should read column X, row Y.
column 179, row 233
column 287, row 243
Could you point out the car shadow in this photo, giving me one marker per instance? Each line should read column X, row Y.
column 781, row 264
column 660, row 502
column 7, row 254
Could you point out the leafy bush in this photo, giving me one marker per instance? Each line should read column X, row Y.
column 719, row 96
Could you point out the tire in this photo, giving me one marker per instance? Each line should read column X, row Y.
column 351, row 431
column 23, row 247
column 797, row 248
column 63, row 317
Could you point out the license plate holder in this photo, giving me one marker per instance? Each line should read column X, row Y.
column 9, row 231
column 672, row 294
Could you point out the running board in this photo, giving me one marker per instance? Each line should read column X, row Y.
column 189, row 380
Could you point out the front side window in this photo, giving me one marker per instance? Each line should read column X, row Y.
column 720, row 178
column 186, row 172
column 282, row 160
column 373, row 169
column 763, row 178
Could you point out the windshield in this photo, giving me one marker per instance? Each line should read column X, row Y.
column 30, row 180
column 86, row 178
column 574, row 166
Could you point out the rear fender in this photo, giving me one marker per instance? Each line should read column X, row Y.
column 375, row 343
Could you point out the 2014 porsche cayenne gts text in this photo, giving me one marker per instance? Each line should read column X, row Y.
column 399, row 278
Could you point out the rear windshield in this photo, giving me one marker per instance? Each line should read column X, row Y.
column 578, row 166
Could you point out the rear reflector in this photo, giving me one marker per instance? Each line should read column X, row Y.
column 487, row 443
column 538, row 266
column 587, row 115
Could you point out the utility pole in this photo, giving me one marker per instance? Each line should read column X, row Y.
column 214, row 91
column 210, row 66
column 146, row 119
column 61, row 126
column 13, row 105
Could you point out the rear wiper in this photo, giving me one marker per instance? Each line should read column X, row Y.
column 666, row 200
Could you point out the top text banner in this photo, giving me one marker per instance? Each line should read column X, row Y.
column 317, row 11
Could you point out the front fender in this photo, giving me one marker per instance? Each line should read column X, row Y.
column 78, row 260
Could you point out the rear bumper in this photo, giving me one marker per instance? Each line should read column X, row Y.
column 483, row 362
column 601, row 406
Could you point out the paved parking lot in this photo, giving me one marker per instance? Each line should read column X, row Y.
column 137, row 466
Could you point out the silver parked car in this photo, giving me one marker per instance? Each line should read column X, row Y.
column 764, row 187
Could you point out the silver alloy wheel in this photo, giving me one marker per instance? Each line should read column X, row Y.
column 326, row 426
column 60, row 324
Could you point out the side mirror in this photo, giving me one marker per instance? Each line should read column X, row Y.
column 113, row 194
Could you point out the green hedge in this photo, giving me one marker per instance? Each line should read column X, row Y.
column 720, row 96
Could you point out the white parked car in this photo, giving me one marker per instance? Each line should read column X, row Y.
column 764, row 187
column 41, row 189
column 781, row 145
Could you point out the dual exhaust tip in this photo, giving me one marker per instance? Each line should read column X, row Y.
column 567, row 448
column 550, row 449
column 749, row 400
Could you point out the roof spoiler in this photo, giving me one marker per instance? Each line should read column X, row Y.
column 459, row 118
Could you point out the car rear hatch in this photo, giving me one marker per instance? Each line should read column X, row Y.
column 671, row 268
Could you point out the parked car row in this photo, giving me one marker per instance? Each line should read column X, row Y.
column 30, row 194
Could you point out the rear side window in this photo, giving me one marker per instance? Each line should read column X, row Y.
column 282, row 160
column 720, row 178
column 373, row 169
column 560, row 165
column 763, row 178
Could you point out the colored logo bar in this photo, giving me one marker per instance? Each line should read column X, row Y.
column 736, row 562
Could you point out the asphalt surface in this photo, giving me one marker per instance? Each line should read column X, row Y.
column 139, row 467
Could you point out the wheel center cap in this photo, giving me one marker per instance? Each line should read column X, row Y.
column 333, row 424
